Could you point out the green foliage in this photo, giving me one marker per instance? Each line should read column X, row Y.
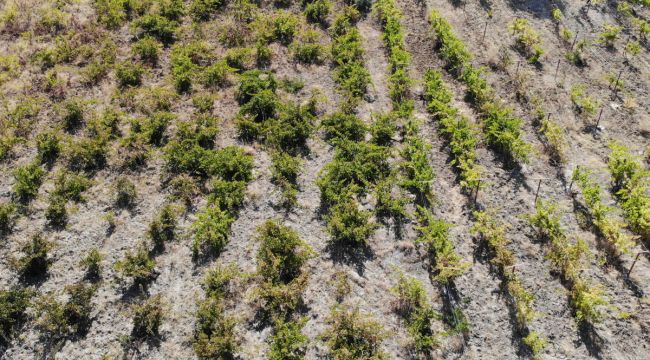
column 280, row 259
column 28, row 179
column 92, row 263
column 284, row 172
column 211, row 230
column 317, row 11
column 287, row 340
column 147, row 49
column 85, row 154
column 217, row 281
column 214, row 334
column 528, row 40
column 7, row 217
column 350, row 74
column 587, row 302
column 555, row 140
column 494, row 233
column 204, row 103
column 156, row 26
column 418, row 174
column 72, row 111
column 147, row 317
column 609, row 35
column 434, row 234
column 342, row 126
column 307, row 49
column 203, row 10
column 451, row 48
column 59, row 319
column 352, row 335
column 412, row 305
column 69, row 186
column 585, row 103
column 503, row 131
column 631, row 180
column 355, row 167
column 35, row 260
column 533, row 340
column 461, row 136
column 125, row 192
column 227, row 195
column 129, row 74
column 217, row 75
column 162, row 229
column 610, row 228
column 285, row 25
column 348, row 225
column 14, row 302
column 137, row 265
column 56, row 213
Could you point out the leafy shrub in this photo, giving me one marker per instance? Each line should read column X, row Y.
column 281, row 254
column 137, row 265
column 147, row 49
column 284, row 27
column 214, row 334
column 290, row 131
column 156, row 26
column 35, row 260
column 147, row 317
column 383, row 129
column 317, row 11
column 587, row 302
column 609, row 35
column 348, row 225
column 610, row 228
column 494, row 233
column 125, row 193
column 111, row 13
column 419, row 176
column 172, row 9
column 227, row 195
column 287, row 340
column 527, row 39
column 92, row 263
column 7, row 217
column 352, row 335
column 183, row 188
column 411, row 304
column 162, row 228
column 533, row 340
column 129, row 74
column 48, row 146
column 555, row 140
column 355, row 167
column 254, row 113
column 503, row 132
column 284, row 172
column 211, row 230
column 308, row 49
column 86, row 154
column 241, row 58
column 631, row 182
column 203, row 103
column 342, row 126
column 72, row 111
column 434, row 234
column 217, row 282
column 253, row 82
column 154, row 127
column 69, row 186
column 14, row 302
column 69, row 318
column 584, row 103
column 231, row 163
column 56, row 212
column 350, row 74
column 217, row 75
column 28, row 179
column 202, row 10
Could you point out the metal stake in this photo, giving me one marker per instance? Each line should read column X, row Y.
column 539, row 183
column 557, row 67
column 617, row 79
column 485, row 30
column 599, row 116
column 634, row 262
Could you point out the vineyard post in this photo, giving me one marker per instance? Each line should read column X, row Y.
column 617, row 80
column 478, row 186
column 539, row 183
column 557, row 67
column 575, row 38
column 517, row 71
column 634, row 262
column 485, row 30
column 600, row 114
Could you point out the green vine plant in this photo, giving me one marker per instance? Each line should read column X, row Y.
column 569, row 259
column 601, row 214
column 631, row 182
column 502, row 130
column 494, row 233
